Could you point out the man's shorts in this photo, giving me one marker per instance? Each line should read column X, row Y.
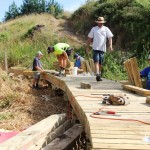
column 36, row 75
column 98, row 56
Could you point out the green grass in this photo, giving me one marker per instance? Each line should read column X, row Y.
column 21, row 47
column 6, row 116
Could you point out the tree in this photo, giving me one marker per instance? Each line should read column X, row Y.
column 54, row 8
column 34, row 6
column 41, row 6
column 13, row 12
column 29, row 6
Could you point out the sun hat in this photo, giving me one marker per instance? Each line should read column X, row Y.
column 39, row 53
column 100, row 20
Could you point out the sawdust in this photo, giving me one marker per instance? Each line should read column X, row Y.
column 21, row 106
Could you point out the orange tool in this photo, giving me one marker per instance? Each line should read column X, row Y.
column 105, row 112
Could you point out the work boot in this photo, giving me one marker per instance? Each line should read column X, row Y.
column 61, row 71
column 98, row 78
column 33, row 87
column 37, row 87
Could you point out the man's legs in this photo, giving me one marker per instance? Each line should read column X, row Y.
column 62, row 62
column 98, row 59
column 36, row 78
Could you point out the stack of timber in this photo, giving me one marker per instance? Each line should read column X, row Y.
column 39, row 135
column 133, row 73
column 88, row 66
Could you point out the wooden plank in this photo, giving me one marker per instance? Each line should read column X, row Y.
column 129, row 73
column 88, row 67
column 26, row 138
column 131, row 67
column 85, row 85
column 139, row 90
column 134, row 132
column 148, row 100
column 92, row 66
column 118, row 128
column 83, row 66
column 52, row 135
column 135, row 72
column 121, row 146
column 63, row 141
column 119, row 141
column 119, row 136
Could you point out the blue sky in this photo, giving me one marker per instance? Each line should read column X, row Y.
column 68, row 5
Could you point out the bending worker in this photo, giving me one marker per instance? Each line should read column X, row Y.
column 62, row 52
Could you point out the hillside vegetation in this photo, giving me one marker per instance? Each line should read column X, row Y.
column 128, row 19
column 23, row 37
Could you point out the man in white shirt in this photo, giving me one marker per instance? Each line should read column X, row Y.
column 98, row 37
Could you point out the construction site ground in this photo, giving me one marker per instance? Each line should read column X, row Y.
column 21, row 106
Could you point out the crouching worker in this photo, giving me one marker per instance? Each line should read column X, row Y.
column 37, row 67
column 62, row 51
column 78, row 60
column 146, row 73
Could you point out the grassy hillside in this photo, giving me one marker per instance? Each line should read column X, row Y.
column 21, row 38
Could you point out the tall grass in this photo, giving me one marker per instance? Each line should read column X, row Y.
column 22, row 47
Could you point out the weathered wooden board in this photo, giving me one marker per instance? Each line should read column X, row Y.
column 133, row 72
column 68, row 137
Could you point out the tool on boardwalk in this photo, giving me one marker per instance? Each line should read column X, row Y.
column 105, row 112
column 113, row 99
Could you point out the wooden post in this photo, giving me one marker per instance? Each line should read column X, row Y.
column 6, row 61
column 83, row 66
column 88, row 67
column 92, row 66
column 133, row 73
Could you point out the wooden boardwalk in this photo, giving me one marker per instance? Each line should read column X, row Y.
column 106, row 132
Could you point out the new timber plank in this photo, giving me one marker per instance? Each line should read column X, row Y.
column 119, row 141
column 137, row 89
column 30, row 137
column 121, row 146
column 68, row 138
column 113, row 136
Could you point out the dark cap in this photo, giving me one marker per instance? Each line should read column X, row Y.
column 75, row 55
column 50, row 49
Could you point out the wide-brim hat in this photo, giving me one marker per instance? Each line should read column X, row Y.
column 100, row 20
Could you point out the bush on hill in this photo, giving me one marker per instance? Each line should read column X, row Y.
column 128, row 19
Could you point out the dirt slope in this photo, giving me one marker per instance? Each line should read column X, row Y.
column 21, row 106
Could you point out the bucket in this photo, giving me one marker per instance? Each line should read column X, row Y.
column 74, row 71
